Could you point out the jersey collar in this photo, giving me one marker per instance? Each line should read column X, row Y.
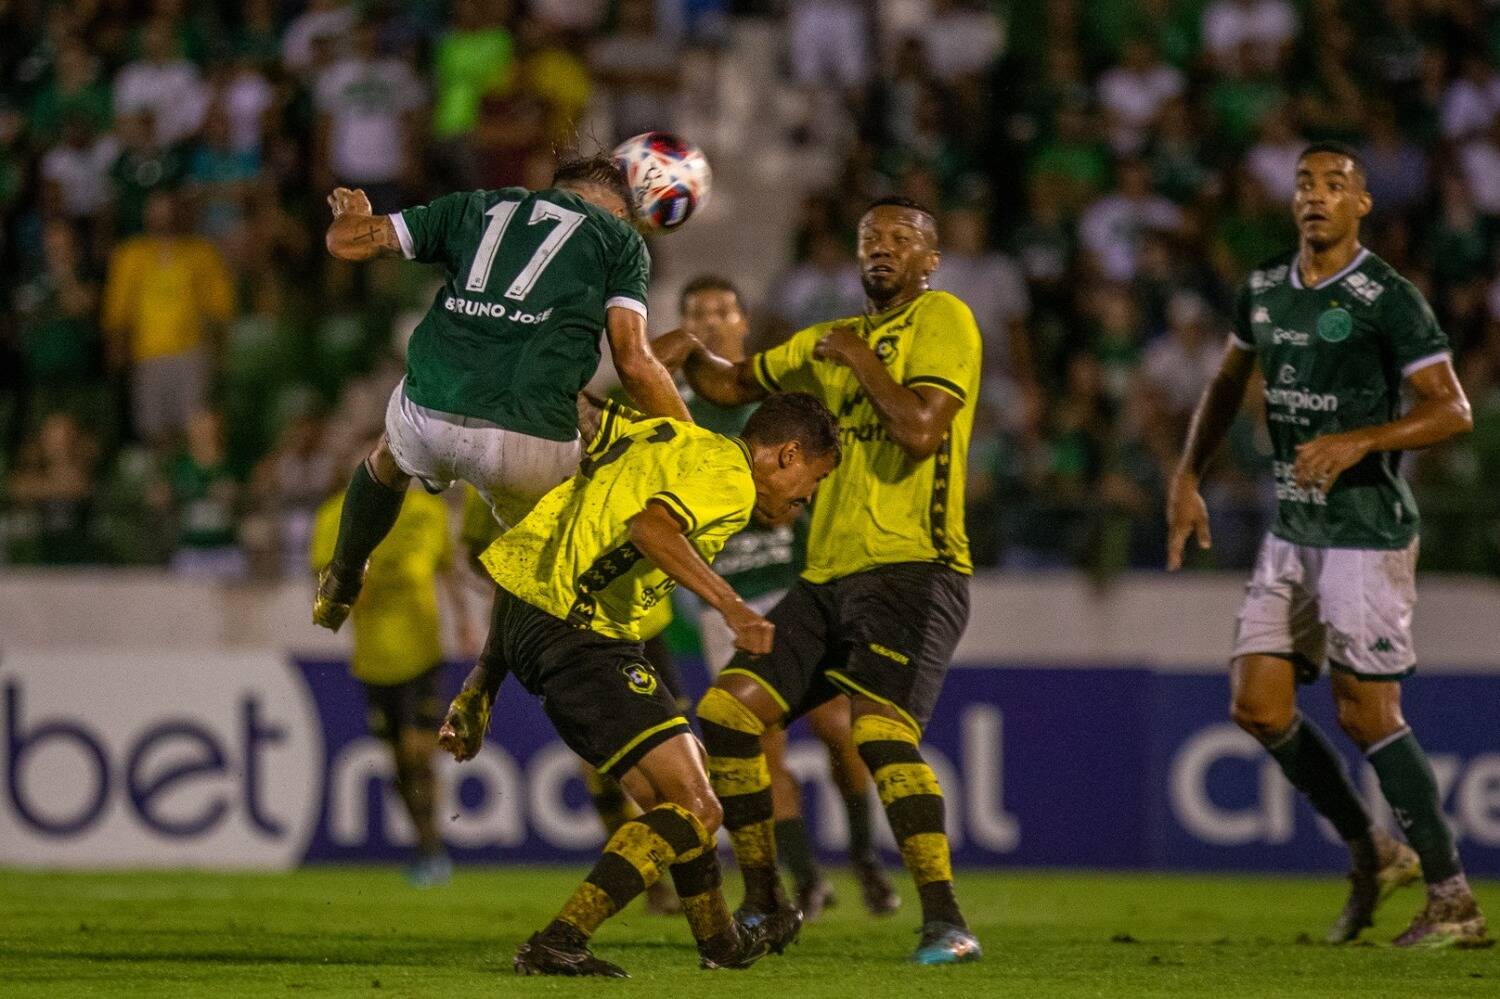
column 739, row 442
column 879, row 319
column 1296, row 271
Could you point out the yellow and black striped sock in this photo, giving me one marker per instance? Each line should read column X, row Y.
column 913, row 803
column 635, row 856
column 742, row 781
column 699, row 883
column 610, row 801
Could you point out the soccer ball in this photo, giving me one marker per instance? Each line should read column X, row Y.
column 668, row 175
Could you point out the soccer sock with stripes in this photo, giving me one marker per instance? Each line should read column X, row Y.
column 634, row 858
column 699, row 882
column 1407, row 781
column 792, row 846
column 1312, row 767
column 861, row 842
column 742, row 781
column 913, row 803
column 614, row 808
column 370, row 511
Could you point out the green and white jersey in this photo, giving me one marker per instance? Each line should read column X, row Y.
column 513, row 334
column 1334, row 357
column 758, row 560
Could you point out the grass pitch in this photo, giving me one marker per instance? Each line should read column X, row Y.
column 363, row 932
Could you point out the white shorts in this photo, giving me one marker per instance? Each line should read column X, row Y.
column 716, row 638
column 1348, row 606
column 511, row 470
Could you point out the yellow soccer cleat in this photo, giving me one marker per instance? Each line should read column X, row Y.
column 334, row 600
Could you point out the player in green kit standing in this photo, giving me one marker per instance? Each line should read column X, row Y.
column 494, row 368
column 1338, row 335
column 760, row 563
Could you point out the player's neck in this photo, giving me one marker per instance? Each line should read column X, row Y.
column 1316, row 264
column 874, row 307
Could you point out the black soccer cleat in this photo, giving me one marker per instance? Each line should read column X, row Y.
column 563, row 952
column 751, row 939
column 880, row 895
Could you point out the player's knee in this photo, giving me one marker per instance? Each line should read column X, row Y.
column 697, row 798
column 1366, row 724
column 722, row 707
column 830, row 723
column 1264, row 719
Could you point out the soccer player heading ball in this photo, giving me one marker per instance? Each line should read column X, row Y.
column 494, row 369
column 884, row 597
column 1338, row 334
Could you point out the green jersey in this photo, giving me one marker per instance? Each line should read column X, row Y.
column 513, row 334
column 758, row 560
column 1334, row 357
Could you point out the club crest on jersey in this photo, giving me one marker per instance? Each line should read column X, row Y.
column 640, row 678
column 885, row 348
column 1335, row 325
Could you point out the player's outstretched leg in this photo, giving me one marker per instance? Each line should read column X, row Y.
column 615, row 808
column 831, row 724
column 1264, row 704
column 676, row 831
column 371, row 506
column 913, row 802
column 741, row 778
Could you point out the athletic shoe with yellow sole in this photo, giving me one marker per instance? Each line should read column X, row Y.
column 1368, row 889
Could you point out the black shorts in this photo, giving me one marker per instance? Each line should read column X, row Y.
column 411, row 703
column 885, row 633
column 604, row 697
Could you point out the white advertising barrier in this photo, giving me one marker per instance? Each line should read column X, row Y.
column 165, row 759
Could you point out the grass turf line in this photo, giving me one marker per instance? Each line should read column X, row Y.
column 354, row 931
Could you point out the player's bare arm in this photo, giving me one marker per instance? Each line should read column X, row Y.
column 645, row 378
column 917, row 419
column 721, row 381
column 355, row 233
column 1186, row 512
column 659, row 536
column 1440, row 411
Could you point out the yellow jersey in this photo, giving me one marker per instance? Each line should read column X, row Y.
column 161, row 292
column 881, row 506
column 396, row 631
column 572, row 556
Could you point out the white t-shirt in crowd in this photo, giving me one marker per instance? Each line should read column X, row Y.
column 1111, row 230
column 173, row 92
column 365, row 100
column 82, row 175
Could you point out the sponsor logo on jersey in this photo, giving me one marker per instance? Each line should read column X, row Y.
column 1363, row 287
column 1287, row 489
column 1382, row 644
column 1293, row 338
column 495, row 310
column 1335, row 325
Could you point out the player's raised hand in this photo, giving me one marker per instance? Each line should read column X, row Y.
column 1323, row 459
column 347, row 201
column 839, row 345
column 1186, row 514
column 672, row 349
column 752, row 632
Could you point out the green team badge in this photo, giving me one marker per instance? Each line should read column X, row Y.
column 1335, row 325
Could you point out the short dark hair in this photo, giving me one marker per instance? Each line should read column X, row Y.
column 1337, row 149
column 601, row 171
column 795, row 416
column 709, row 282
column 897, row 201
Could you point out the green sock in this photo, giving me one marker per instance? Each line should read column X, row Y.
column 1407, row 781
column 1313, row 768
column 793, row 848
column 861, row 843
column 370, row 510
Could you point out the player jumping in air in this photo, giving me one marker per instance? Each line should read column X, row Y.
column 884, row 598
column 494, row 368
column 760, row 563
column 575, row 580
column 1337, row 335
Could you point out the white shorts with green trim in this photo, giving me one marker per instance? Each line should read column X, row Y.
column 1348, row 607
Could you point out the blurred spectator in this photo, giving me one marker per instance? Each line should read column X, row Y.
column 1397, row 170
column 76, row 172
column 1472, row 99
column 1073, row 159
column 1110, row 229
column 1248, row 34
column 248, row 100
column 164, row 83
column 475, row 58
column 554, row 72
column 1133, row 93
column 143, row 166
column 322, row 20
column 367, row 131
column 291, row 482
column 205, row 497
column 219, row 177
column 1176, row 368
column 825, row 286
column 59, row 343
column 961, row 38
column 1480, row 159
column 166, row 295
column 1272, row 161
column 51, row 490
column 639, row 65
column 76, row 90
column 830, row 43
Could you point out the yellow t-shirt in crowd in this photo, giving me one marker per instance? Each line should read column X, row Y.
column 161, row 293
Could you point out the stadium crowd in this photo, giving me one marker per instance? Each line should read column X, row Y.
column 184, row 372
